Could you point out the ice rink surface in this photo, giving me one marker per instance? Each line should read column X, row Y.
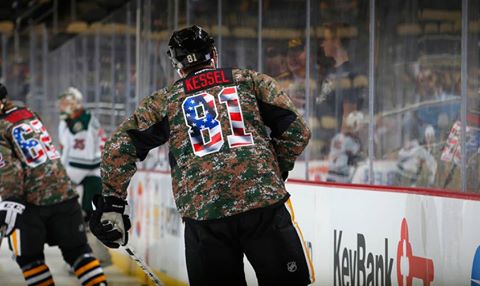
column 10, row 274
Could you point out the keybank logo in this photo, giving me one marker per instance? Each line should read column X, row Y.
column 476, row 268
column 360, row 266
column 410, row 266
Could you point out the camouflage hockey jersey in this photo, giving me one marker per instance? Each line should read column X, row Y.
column 30, row 167
column 231, row 135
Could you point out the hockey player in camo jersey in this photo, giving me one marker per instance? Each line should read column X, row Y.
column 38, row 203
column 227, row 171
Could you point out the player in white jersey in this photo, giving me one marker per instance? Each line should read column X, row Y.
column 82, row 141
column 344, row 150
column 413, row 159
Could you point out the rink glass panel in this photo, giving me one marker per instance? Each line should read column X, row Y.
column 472, row 142
column 417, row 67
column 417, row 94
column 337, row 102
column 239, row 45
column 283, row 35
column 159, row 20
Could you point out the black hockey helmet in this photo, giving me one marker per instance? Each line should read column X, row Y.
column 190, row 47
column 3, row 92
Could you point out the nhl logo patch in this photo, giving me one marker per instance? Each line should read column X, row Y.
column 292, row 266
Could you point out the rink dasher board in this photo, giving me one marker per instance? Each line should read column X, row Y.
column 341, row 222
column 352, row 234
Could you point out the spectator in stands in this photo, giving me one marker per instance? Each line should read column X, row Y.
column 297, row 66
column 433, row 82
column 276, row 64
column 342, row 89
column 429, row 85
column 296, row 86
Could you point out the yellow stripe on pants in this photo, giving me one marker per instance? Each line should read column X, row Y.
column 311, row 270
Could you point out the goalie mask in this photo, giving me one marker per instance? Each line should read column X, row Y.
column 69, row 102
column 190, row 47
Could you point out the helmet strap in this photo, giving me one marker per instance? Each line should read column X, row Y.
column 3, row 103
column 180, row 72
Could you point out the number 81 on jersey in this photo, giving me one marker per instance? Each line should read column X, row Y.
column 200, row 112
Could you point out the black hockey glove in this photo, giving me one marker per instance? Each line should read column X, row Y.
column 109, row 221
column 10, row 209
column 285, row 176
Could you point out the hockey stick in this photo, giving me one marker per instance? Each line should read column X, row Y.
column 449, row 177
column 143, row 266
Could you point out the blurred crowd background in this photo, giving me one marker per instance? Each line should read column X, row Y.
column 390, row 88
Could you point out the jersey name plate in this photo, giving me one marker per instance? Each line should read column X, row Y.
column 207, row 79
column 17, row 115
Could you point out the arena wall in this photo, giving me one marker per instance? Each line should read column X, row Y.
column 356, row 235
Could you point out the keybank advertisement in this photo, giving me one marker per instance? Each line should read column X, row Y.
column 361, row 237
column 359, row 267
column 355, row 237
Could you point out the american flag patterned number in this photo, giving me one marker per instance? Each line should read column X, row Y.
column 2, row 162
column 201, row 114
column 239, row 138
column 35, row 151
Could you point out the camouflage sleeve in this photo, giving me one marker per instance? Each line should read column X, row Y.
column 290, row 134
column 11, row 172
column 96, row 130
column 101, row 138
column 131, row 141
